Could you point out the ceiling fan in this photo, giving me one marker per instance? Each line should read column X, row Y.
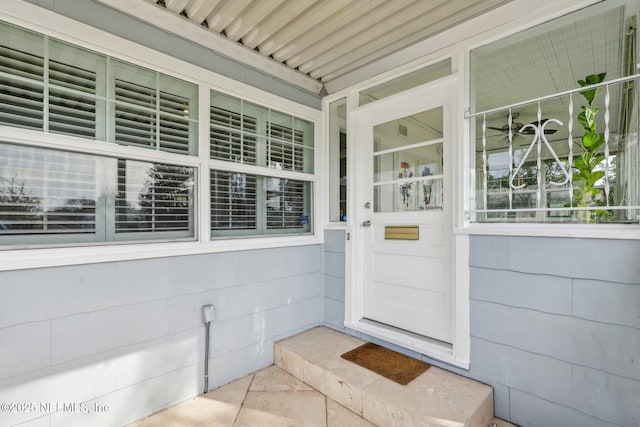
column 516, row 127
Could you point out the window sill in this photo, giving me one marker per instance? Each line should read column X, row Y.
column 22, row 259
column 587, row 231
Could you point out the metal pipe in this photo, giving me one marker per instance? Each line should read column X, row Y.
column 208, row 312
column 206, row 358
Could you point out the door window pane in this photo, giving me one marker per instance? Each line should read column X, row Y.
column 408, row 163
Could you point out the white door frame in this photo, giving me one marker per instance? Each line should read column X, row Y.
column 403, row 104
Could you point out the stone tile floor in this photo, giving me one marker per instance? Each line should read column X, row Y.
column 270, row 397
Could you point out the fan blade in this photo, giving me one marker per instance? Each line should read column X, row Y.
column 530, row 131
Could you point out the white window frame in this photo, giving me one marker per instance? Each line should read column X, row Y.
column 544, row 14
column 46, row 22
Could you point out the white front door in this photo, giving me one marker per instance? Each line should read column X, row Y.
column 405, row 216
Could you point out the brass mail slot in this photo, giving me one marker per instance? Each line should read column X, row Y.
column 402, row 232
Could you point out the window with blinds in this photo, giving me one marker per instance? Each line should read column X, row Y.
column 153, row 197
column 287, row 205
column 233, row 136
column 233, row 202
column 285, row 149
column 51, row 196
column 46, row 192
column 146, row 109
column 146, row 117
column 257, row 202
column 246, row 204
column 21, row 89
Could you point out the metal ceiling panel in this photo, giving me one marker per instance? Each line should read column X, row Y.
column 319, row 39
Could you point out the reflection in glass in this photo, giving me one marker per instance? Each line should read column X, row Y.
column 420, row 195
column 338, row 160
column 244, row 205
column 418, row 128
column 50, row 196
column 408, row 163
column 421, row 161
column 406, row 82
column 153, row 197
column 46, row 191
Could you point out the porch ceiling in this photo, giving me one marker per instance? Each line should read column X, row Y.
column 306, row 42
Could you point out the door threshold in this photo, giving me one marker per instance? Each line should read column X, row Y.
column 426, row 346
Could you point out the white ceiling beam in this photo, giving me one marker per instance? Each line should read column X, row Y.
column 378, row 19
column 317, row 13
column 431, row 22
column 198, row 10
column 323, row 29
column 250, row 18
column 285, row 13
column 226, row 13
column 165, row 20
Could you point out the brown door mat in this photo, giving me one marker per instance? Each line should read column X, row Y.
column 388, row 363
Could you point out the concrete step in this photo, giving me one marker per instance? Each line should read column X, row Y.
column 435, row 398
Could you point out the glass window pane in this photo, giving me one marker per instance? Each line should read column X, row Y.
column 154, row 198
column 250, row 205
column 57, row 197
column 242, row 132
column 420, row 127
column 406, row 82
column 21, row 55
column 78, row 69
column 233, row 203
column 46, row 196
column 233, row 135
column 543, row 161
column 421, row 161
column 411, row 196
column 288, row 205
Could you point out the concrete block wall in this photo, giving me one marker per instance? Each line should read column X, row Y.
column 555, row 327
column 129, row 335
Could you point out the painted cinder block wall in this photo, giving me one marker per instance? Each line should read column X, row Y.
column 130, row 335
column 555, row 326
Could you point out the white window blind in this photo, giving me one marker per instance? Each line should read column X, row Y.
column 233, row 201
column 146, row 117
column 233, row 136
column 72, row 113
column 21, row 79
column 285, row 150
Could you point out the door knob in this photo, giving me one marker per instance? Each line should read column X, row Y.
column 366, row 223
column 367, row 205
